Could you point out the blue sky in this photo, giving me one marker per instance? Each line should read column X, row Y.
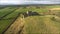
column 18, row 2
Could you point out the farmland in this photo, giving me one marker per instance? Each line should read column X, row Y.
column 13, row 20
column 6, row 17
column 41, row 25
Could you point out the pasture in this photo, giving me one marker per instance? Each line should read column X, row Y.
column 42, row 24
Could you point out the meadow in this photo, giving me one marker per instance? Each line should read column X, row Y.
column 42, row 24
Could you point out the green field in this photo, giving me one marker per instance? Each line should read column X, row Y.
column 7, row 16
column 42, row 24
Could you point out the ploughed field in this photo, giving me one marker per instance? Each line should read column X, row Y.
column 12, row 21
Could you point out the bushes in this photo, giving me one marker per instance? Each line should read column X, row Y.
column 53, row 18
column 57, row 19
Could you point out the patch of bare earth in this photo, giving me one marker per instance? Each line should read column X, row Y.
column 16, row 27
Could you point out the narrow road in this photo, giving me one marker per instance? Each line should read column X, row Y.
column 16, row 26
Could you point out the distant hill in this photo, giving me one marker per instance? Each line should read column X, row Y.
column 30, row 5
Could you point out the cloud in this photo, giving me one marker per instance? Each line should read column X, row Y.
column 6, row 2
column 19, row 2
column 40, row 2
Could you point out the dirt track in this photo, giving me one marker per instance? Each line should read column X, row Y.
column 16, row 26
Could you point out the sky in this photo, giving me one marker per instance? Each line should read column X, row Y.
column 20, row 2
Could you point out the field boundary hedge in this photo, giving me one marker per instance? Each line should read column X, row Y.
column 11, row 23
column 7, row 14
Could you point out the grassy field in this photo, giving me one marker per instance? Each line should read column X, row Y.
column 42, row 24
column 7, row 18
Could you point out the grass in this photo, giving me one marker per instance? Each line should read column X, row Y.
column 12, row 15
column 33, row 24
column 5, row 21
column 6, row 11
column 33, row 9
column 41, row 25
column 4, row 24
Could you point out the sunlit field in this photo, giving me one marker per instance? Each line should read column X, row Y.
column 30, row 20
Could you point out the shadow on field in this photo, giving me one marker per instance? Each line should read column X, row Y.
column 21, row 31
